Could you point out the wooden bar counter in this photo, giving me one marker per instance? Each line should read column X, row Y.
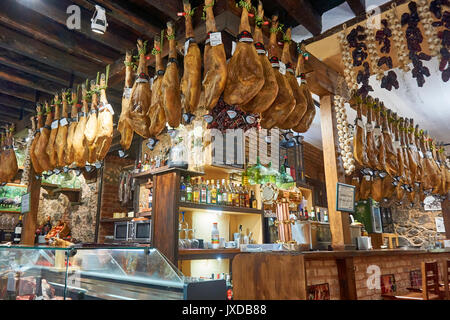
column 287, row 275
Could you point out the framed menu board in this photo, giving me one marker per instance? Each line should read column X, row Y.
column 345, row 197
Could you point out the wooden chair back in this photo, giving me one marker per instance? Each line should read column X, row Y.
column 430, row 279
column 446, row 276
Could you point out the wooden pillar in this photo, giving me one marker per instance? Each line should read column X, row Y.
column 30, row 218
column 166, row 188
column 446, row 215
column 339, row 224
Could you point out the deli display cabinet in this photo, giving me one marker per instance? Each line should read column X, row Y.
column 112, row 273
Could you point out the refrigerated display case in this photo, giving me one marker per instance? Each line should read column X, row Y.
column 112, row 273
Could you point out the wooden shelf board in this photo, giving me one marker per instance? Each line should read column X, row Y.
column 197, row 254
column 115, row 219
column 213, row 208
column 147, row 174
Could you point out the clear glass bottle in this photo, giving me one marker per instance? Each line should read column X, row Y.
column 224, row 192
column 213, row 193
column 196, row 191
column 203, row 191
column 188, row 190
column 219, row 192
column 215, row 236
column 208, row 192
column 182, row 190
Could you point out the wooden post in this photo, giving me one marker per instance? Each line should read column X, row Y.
column 446, row 215
column 30, row 218
column 339, row 224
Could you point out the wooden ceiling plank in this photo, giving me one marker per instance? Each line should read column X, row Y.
column 169, row 7
column 15, row 90
column 56, row 10
column 54, row 34
column 16, row 103
column 15, row 41
column 123, row 15
column 9, row 112
column 303, row 13
column 358, row 6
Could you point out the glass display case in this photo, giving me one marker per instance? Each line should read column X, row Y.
column 105, row 273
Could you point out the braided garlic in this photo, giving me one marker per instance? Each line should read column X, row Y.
column 349, row 73
column 27, row 162
column 373, row 52
column 344, row 135
column 434, row 43
column 399, row 38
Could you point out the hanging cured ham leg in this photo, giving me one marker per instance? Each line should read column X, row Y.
column 391, row 153
column 69, row 155
column 105, row 122
column 170, row 86
column 156, row 112
column 379, row 174
column 80, row 147
column 268, row 93
column 2, row 167
column 51, row 146
column 284, row 102
column 90, row 132
column 310, row 113
column 141, row 95
column 191, row 84
column 9, row 158
column 41, row 145
column 301, row 105
column 61, row 137
column 245, row 73
column 124, row 126
column 34, row 160
column 214, row 61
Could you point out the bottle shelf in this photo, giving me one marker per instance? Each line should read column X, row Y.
column 150, row 173
column 203, row 207
column 198, row 254
column 115, row 219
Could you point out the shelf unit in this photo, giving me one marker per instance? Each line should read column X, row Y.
column 201, row 207
column 201, row 254
column 116, row 219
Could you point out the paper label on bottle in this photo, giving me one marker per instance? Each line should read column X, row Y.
column 233, row 47
column 282, row 68
column 18, row 230
column 55, row 124
column 63, row 122
column 215, row 239
column 215, row 39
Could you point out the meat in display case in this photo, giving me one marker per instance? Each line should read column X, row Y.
column 107, row 273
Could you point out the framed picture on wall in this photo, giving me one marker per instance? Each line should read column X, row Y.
column 11, row 197
column 345, row 197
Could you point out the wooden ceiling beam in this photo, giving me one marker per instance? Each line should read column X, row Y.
column 123, row 15
column 15, row 41
column 10, row 112
column 16, row 103
column 56, row 11
column 358, row 6
column 169, row 7
column 303, row 13
column 39, row 27
column 13, row 89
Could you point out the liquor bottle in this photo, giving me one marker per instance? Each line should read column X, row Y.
column 245, row 174
column 318, row 216
column 325, row 216
column 246, row 197
column 236, row 198
column 312, row 215
column 139, row 166
column 213, row 193
column 208, row 192
column 229, row 194
column 219, row 193
column 47, row 226
column 241, row 196
column 224, row 192
column 215, row 240
column 286, row 165
column 182, row 190
column 145, row 162
column 306, row 214
column 18, row 231
column 253, row 202
column 188, row 190
column 196, row 192
column 203, row 191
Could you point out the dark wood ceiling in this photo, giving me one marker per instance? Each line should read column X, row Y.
column 39, row 55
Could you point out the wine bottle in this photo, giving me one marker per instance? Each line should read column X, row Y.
column 253, row 202
column 18, row 231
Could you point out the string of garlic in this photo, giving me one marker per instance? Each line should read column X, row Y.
column 349, row 73
column 434, row 43
column 373, row 51
column 344, row 135
column 27, row 162
column 399, row 38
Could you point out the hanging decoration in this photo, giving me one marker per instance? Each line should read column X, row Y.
column 344, row 134
column 349, row 73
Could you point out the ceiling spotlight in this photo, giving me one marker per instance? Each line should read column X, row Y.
column 98, row 21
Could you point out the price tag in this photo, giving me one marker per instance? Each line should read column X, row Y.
column 55, row 124
column 359, row 123
column 110, row 108
column 233, row 47
column 299, row 80
column 127, row 93
column 282, row 68
column 63, row 122
column 367, row 178
column 413, row 147
column 186, row 47
column 369, row 127
column 41, row 129
column 377, row 131
column 215, row 39
column 421, row 154
column 429, row 155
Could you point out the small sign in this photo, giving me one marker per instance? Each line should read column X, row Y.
column 440, row 227
column 25, row 203
column 345, row 197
